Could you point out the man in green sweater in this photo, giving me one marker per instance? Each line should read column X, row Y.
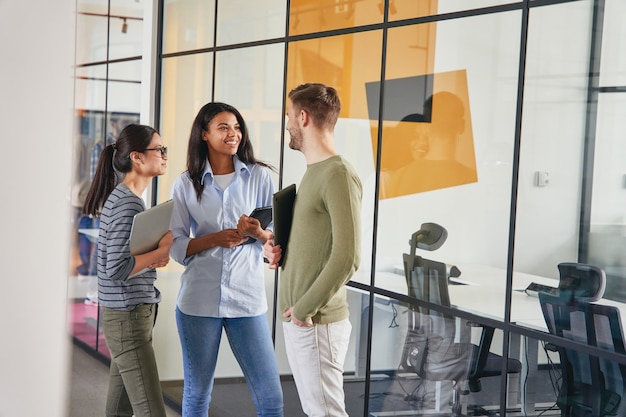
column 322, row 254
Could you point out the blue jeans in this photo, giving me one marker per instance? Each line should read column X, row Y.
column 134, row 385
column 87, row 248
column 250, row 341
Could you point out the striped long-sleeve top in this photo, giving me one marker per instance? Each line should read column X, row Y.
column 116, row 289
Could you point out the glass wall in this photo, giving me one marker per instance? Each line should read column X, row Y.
column 607, row 217
column 487, row 138
column 109, row 44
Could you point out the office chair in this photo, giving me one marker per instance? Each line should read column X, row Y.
column 591, row 386
column 433, row 350
column 581, row 282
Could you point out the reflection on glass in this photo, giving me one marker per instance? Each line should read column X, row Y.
column 90, row 87
column 95, row 129
column 411, row 51
column 437, row 142
column 92, row 6
column 550, row 142
column 394, row 385
column 188, row 24
column 607, row 235
column 424, row 361
column 89, row 102
column 613, row 58
column 346, row 62
column 91, row 38
column 431, row 145
column 308, row 16
column 186, row 86
column 126, row 8
column 587, row 382
column 408, row 9
column 440, row 106
column 449, row 6
column 262, row 20
column 103, row 35
column 438, row 345
column 107, row 98
column 127, row 71
column 125, row 37
column 257, row 94
column 124, row 87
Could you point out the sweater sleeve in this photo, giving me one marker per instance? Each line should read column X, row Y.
column 342, row 199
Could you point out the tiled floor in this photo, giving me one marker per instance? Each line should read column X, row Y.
column 83, row 321
column 89, row 386
column 230, row 398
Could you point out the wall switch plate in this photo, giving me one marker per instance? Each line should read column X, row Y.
column 542, row 178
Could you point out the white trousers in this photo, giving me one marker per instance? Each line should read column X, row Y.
column 316, row 356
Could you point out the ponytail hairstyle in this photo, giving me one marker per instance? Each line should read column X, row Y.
column 114, row 159
column 198, row 151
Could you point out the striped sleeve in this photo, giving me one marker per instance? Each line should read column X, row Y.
column 116, row 288
column 119, row 262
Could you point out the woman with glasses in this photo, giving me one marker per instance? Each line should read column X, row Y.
column 126, row 288
column 221, row 247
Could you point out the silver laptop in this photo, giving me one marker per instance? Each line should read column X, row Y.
column 149, row 226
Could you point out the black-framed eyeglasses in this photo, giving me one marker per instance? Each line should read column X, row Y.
column 162, row 149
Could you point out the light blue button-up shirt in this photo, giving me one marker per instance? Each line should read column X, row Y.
column 220, row 282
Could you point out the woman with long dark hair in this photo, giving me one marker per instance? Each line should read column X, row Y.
column 126, row 288
column 221, row 247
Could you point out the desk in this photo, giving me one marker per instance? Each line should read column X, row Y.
column 485, row 294
column 486, row 297
column 92, row 234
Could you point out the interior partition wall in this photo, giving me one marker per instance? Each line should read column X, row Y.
column 498, row 120
column 470, row 115
column 107, row 97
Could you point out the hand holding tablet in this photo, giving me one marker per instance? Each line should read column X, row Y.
column 264, row 216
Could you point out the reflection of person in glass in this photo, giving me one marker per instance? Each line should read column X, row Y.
column 87, row 248
column 434, row 150
column 117, row 124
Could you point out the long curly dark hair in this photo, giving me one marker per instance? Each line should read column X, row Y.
column 198, row 151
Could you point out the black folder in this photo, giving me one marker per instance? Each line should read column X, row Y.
column 283, row 201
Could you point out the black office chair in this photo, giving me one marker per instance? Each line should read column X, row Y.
column 432, row 348
column 591, row 386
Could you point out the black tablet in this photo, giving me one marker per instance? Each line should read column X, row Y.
column 264, row 216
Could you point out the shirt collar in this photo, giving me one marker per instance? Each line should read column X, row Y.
column 240, row 169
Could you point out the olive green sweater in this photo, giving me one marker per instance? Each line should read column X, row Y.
column 324, row 244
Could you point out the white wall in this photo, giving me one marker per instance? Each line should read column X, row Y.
column 553, row 137
column 36, row 94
